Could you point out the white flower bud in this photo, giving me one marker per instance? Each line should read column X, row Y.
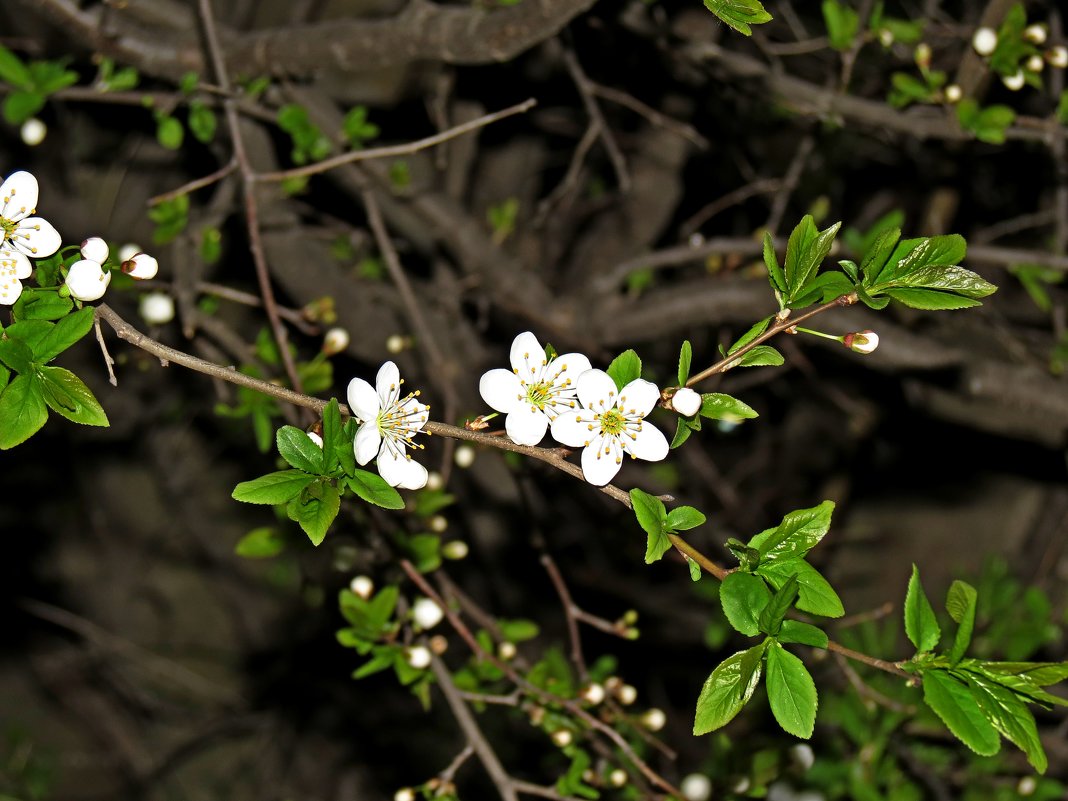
column 438, row 524
column 434, row 480
column 1027, row 786
column 922, row 54
column 457, row 549
column 1034, row 63
column 33, row 132
column 506, row 651
column 592, row 693
column 985, row 41
column 87, row 280
column 95, row 249
column 335, row 340
column 419, row 657
column 315, row 438
column 404, row 794
column 464, row 456
column 128, row 251
column 426, row 613
column 803, row 756
column 1015, row 82
column 953, row 93
column 140, row 266
column 617, row 778
column 861, row 341
column 156, row 308
column 362, row 586
column 561, row 738
column 886, row 37
column 654, row 719
column 696, row 787
column 686, row 402
column 1057, row 57
column 396, row 343
column 1036, row 34
column 627, row 694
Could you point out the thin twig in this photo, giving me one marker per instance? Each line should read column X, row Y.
column 687, row 132
column 570, row 613
column 589, row 101
column 197, row 183
column 108, row 361
column 866, row 691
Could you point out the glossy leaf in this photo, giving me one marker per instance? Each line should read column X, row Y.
column 743, row 597
column 67, row 395
column 791, row 692
column 799, row 532
column 22, row 410
column 954, row 703
column 372, row 488
column 625, row 368
column 273, row 488
column 723, row 694
column 921, row 625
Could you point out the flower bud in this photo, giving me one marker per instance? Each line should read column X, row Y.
column 315, row 438
column 1034, row 63
column 1027, row 786
column 335, row 340
column 696, row 787
column 1015, row 81
column 985, row 41
column 156, row 308
column 953, row 93
column 95, row 249
column 419, row 657
column 561, row 738
column 617, row 778
column 404, row 794
column 861, row 341
column 886, row 37
column 438, row 524
column 434, row 480
column 87, row 280
column 1057, row 57
column 686, row 402
column 803, row 756
column 627, row 694
column 396, row 343
column 33, row 132
column 922, row 54
column 141, row 266
column 362, row 586
column 464, row 456
column 1035, row 34
column 457, row 549
column 506, row 651
column 654, row 719
column 438, row 644
column 592, row 694
column 426, row 613
column 128, row 251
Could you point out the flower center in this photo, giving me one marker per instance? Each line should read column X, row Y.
column 612, row 422
column 401, row 420
column 539, row 394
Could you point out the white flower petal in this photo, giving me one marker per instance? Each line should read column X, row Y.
column 526, row 354
column 573, row 428
column 398, row 470
column 367, row 442
column 601, row 460
column 501, row 390
column 413, row 416
column 649, row 443
column 639, row 395
column 10, row 289
column 596, row 390
column 141, row 266
column 36, row 237
column 363, row 400
column 18, row 196
column 95, row 249
column 526, row 425
column 87, row 280
column 567, row 365
column 14, row 264
column 388, row 384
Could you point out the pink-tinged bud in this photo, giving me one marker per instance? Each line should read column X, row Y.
column 95, row 249
column 861, row 341
column 141, row 266
column 86, row 280
column 686, row 402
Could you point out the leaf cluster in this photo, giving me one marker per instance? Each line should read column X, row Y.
column 714, row 405
column 31, row 83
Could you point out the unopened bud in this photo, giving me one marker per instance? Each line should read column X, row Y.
column 861, row 341
column 1027, row 786
column 617, row 778
column 315, row 438
column 922, row 55
column 537, row 715
column 156, row 308
column 561, row 738
column 141, row 266
column 33, row 132
column 419, row 657
column 86, row 280
column 696, row 787
column 128, row 251
column 1014, row 82
column 438, row 644
column 506, row 651
column 362, row 586
column 96, row 249
column 335, row 341
column 654, row 719
column 803, row 756
column 457, row 549
column 627, row 694
column 686, row 402
column 1035, row 34
column 886, row 37
column 434, row 480
column 1034, row 63
column 396, row 343
column 1057, row 57
column 438, row 524
column 953, row 93
column 592, row 694
column 426, row 613
column 985, row 41
column 464, row 456
column 404, row 794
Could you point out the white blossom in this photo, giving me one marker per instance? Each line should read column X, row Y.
column 686, row 402
column 32, row 236
column 13, row 268
column 87, row 280
column 611, row 424
column 315, row 438
column 95, row 249
column 156, row 308
column 696, row 787
column 140, row 266
column 419, row 657
column 362, row 586
column 128, row 251
column 1014, row 82
column 388, row 424
column 654, row 719
column 33, row 132
column 426, row 613
column 953, row 93
column 985, row 41
column 335, row 340
column 464, row 456
column 535, row 391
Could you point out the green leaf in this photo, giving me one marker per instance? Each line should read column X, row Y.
column 760, row 356
column 14, row 71
column 17, row 355
column 260, row 543
column 743, row 597
column 748, row 558
column 682, row 432
column 652, row 517
column 952, row 701
column 772, row 615
column 626, row 367
column 695, row 569
column 739, row 14
column 718, row 406
column 842, row 24
column 824, row 288
column 758, row 328
column 913, row 255
column 929, row 300
column 64, row 334
column 334, row 441
column 960, row 603
column 273, row 488
column 685, row 357
column 723, row 694
column 41, row 304
column 816, row 596
column 802, row 633
column 947, row 278
column 316, row 510
column 1041, row 674
column 921, row 625
column 297, row 448
column 67, row 395
column 21, row 106
column 1009, row 715
column 791, row 692
column 796, row 535
column 374, row 489
column 169, row 132
column 22, row 410
column 518, row 630
column 382, row 660
column 682, row 518
column 775, row 274
column 202, row 121
column 805, row 251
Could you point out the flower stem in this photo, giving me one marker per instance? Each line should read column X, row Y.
column 817, row 333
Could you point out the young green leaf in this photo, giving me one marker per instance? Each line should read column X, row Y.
column 824, row 288
column 316, row 509
column 372, row 488
column 67, row 395
column 297, row 448
column 695, row 569
column 14, row 71
column 953, row 702
column 682, row 432
column 723, row 694
column 743, row 597
column 842, row 23
column 775, row 274
column 333, row 436
column 760, row 356
column 625, row 368
column 1041, row 674
column 17, row 355
column 652, row 517
column 685, row 357
column 914, row 255
column 791, row 692
column 739, row 14
column 718, row 406
column 796, row 535
column 64, row 334
column 41, row 304
column 1009, row 715
column 802, row 633
column 816, row 596
column 22, row 410
column 772, row 615
column 758, row 328
column 960, row 603
column 805, row 251
column 921, row 625
column 930, row 300
column 273, row 488
column 683, row 518
column 260, row 543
